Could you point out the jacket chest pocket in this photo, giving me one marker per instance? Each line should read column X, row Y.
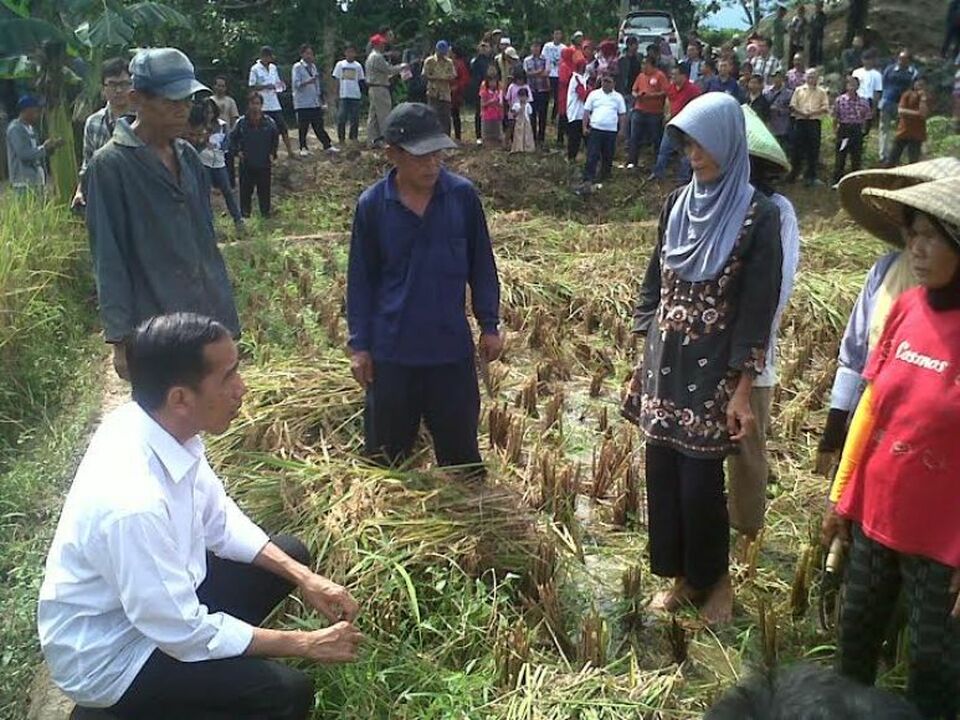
column 452, row 257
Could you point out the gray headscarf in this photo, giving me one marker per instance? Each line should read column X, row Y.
column 707, row 217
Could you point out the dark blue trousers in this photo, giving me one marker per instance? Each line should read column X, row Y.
column 646, row 130
column 601, row 147
column 445, row 397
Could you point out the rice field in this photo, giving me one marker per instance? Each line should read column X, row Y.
column 524, row 597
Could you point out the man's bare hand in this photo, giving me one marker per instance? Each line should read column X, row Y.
column 834, row 525
column 325, row 596
column 361, row 365
column 740, row 419
column 336, row 644
column 491, row 346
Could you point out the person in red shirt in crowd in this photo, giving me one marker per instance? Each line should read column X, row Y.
column 679, row 93
column 568, row 57
column 646, row 118
column 896, row 495
column 457, row 90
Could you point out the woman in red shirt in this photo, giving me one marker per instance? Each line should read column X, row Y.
column 564, row 73
column 457, row 90
column 897, row 492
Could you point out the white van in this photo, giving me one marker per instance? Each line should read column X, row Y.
column 648, row 26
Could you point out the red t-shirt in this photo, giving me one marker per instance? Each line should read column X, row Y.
column 656, row 83
column 906, row 490
column 679, row 97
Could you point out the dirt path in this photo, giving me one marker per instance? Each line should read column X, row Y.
column 46, row 700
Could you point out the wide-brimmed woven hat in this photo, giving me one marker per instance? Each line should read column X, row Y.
column 852, row 192
column 939, row 198
column 760, row 141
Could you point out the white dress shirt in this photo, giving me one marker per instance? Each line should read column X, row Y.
column 260, row 75
column 128, row 556
column 551, row 51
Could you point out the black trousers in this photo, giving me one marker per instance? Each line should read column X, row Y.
column 478, row 121
column 541, row 102
column 251, row 179
column 241, row 687
column 806, row 148
column 913, row 148
column 687, row 516
column 601, row 147
column 874, row 578
column 853, row 135
column 574, row 130
column 445, row 397
column 312, row 117
column 229, row 158
column 555, row 94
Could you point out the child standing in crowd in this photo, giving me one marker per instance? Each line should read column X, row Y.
column 912, row 127
column 349, row 74
column 491, row 109
column 511, row 96
column 523, row 140
column 212, row 144
column 254, row 141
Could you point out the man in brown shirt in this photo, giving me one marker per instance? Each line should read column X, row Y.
column 912, row 127
column 809, row 105
column 440, row 73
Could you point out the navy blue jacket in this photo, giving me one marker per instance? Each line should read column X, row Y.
column 407, row 275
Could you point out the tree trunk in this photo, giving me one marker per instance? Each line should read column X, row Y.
column 856, row 20
column 330, row 52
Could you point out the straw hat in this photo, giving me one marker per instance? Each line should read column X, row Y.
column 760, row 141
column 939, row 198
column 853, row 195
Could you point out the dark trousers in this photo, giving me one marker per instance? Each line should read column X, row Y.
column 816, row 51
column 231, row 162
column 348, row 112
column 555, row 94
column 574, row 130
column 251, row 179
column 874, row 578
column 646, row 130
column 601, row 147
column 456, row 121
column 312, row 117
column 951, row 41
column 806, row 148
column 849, row 142
column 687, row 511
column 442, row 108
column 445, row 397
column 241, row 687
column 912, row 147
column 478, row 121
column 220, row 179
column 541, row 103
column 562, row 133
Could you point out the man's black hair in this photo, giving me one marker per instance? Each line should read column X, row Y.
column 349, row 46
column 710, row 63
column 632, row 40
column 808, row 692
column 166, row 351
column 870, row 54
column 305, row 47
column 683, row 68
column 113, row 67
column 254, row 94
column 198, row 114
column 650, row 57
column 226, row 80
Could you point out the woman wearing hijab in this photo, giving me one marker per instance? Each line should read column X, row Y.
column 706, row 308
column 896, row 491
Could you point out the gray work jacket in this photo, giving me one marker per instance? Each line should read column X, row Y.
column 25, row 157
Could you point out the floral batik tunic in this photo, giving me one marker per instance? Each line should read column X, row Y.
column 700, row 337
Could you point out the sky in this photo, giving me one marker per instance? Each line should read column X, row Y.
column 727, row 17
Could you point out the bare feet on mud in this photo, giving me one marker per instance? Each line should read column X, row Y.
column 717, row 608
column 673, row 599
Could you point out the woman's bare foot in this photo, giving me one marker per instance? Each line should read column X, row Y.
column 717, row 609
column 673, row 599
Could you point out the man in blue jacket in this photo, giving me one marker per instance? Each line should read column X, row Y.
column 419, row 238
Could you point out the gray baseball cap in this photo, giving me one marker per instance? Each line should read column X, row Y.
column 416, row 128
column 166, row 72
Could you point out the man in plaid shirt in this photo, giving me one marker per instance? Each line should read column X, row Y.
column 851, row 113
column 98, row 129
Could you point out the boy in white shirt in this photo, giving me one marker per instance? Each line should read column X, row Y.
column 350, row 75
column 265, row 79
column 604, row 114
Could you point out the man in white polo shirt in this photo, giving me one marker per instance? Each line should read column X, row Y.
column 871, row 83
column 265, row 79
column 604, row 119
column 156, row 582
column 551, row 53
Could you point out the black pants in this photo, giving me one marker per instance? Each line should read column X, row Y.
column 806, row 148
column 456, row 121
column 241, row 687
column 874, row 578
column 951, row 41
column 555, row 94
column 601, row 147
column 574, row 130
column 349, row 111
column 688, row 522
column 853, row 135
column 816, row 51
column 230, row 160
column 541, row 102
column 254, row 178
column 478, row 121
column 312, row 117
column 445, row 397
column 912, row 147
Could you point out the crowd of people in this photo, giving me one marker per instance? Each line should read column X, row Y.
column 156, row 583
